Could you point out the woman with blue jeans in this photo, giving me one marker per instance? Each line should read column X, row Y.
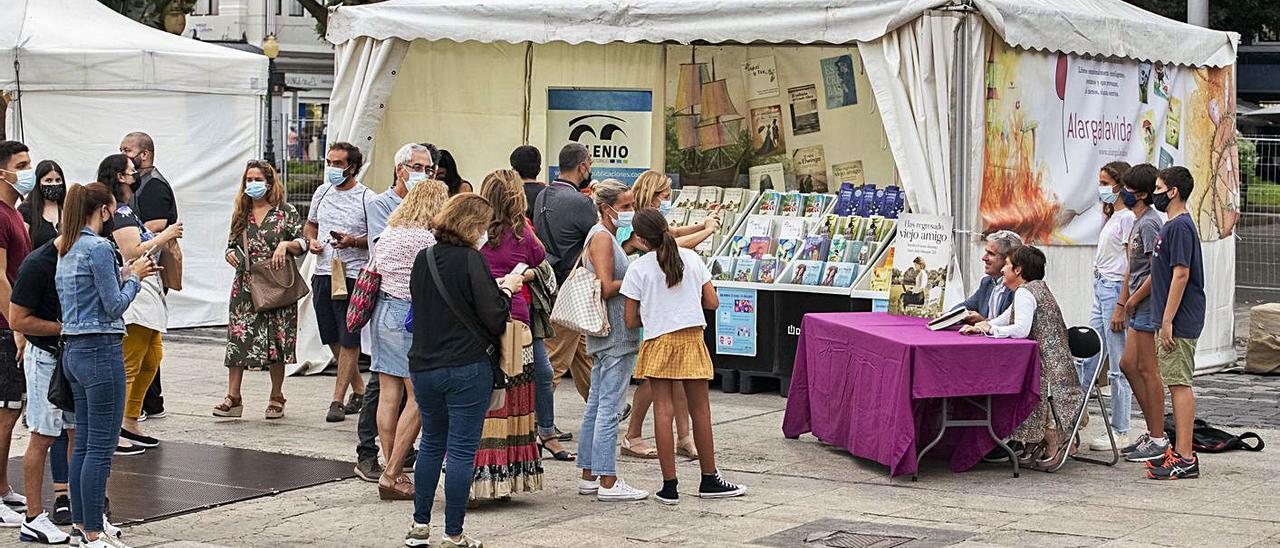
column 613, row 355
column 94, row 294
column 1110, row 264
column 449, row 360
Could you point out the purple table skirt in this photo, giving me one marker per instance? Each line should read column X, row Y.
column 869, row 382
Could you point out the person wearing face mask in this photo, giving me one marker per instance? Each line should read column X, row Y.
column 562, row 217
column 614, row 355
column 17, row 179
column 42, row 208
column 337, row 231
column 413, row 166
column 653, row 190
column 264, row 228
column 1110, row 264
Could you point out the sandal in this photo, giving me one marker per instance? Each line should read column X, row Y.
column 635, row 447
column 275, row 408
column 561, row 455
column 400, row 488
column 230, row 407
column 685, row 447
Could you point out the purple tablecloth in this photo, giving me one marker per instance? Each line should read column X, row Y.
column 863, row 380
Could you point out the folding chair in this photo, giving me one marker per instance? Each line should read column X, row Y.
column 1086, row 343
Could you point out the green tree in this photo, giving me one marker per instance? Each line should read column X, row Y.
column 1250, row 18
column 154, row 13
column 320, row 10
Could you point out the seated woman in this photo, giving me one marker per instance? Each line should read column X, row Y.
column 1035, row 315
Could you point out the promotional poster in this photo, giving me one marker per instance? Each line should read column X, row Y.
column 921, row 259
column 837, row 79
column 614, row 125
column 804, row 110
column 766, row 131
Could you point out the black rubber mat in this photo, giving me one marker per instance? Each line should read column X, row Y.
column 178, row 478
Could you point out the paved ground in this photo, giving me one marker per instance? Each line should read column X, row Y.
column 799, row 489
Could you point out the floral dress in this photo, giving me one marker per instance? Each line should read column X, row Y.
column 258, row 339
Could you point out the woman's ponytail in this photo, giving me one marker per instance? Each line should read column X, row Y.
column 651, row 226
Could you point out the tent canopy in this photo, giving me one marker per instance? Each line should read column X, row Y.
column 66, row 45
column 1086, row 27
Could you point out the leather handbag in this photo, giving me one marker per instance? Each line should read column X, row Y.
column 60, row 394
column 364, row 297
column 580, row 303
column 171, row 266
column 271, row 288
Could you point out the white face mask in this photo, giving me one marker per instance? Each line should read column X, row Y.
column 664, row 207
column 484, row 239
column 414, row 179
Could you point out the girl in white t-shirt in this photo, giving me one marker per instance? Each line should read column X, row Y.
column 667, row 291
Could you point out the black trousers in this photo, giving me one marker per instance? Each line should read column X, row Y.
column 153, row 402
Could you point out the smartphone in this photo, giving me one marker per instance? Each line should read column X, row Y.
column 520, row 269
column 151, row 253
column 335, row 235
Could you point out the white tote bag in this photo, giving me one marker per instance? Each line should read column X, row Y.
column 580, row 303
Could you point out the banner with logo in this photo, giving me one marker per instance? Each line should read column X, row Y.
column 1053, row 120
column 614, row 124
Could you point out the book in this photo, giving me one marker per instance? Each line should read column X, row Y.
column 770, row 202
column 721, row 268
column 867, row 253
column 708, row 196
column 814, row 204
column 743, row 269
column 854, row 251
column 921, row 263
column 758, row 226
column 696, row 217
column 677, row 217
column 737, row 246
column 865, row 195
column 708, row 246
column 830, row 225
column 688, row 198
column 845, row 203
column 792, row 204
column 766, row 270
column 948, row 319
column 806, row 273
column 733, row 199
column 760, row 246
column 889, row 204
column 886, row 228
column 853, row 228
column 870, row 233
column 837, row 249
column 791, row 229
column 787, row 250
column 814, row 248
column 846, row 274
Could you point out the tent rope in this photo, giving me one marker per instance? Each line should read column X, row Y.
column 528, row 89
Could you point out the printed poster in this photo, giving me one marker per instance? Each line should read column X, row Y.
column 614, row 124
column 736, row 322
column 837, row 80
column 767, row 177
column 810, row 167
column 848, row 172
column 921, row 259
column 766, row 130
column 804, row 110
column 1053, row 120
column 761, row 77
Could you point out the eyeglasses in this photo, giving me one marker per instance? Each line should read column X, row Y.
column 420, row 168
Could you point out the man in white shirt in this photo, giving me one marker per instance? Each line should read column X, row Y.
column 992, row 297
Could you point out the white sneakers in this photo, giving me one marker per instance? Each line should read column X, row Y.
column 43, row 531
column 9, row 518
column 14, row 501
column 1101, row 443
column 620, row 492
column 588, row 487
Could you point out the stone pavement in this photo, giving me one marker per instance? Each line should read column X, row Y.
column 799, row 489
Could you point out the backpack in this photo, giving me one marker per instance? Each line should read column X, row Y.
column 1207, row 439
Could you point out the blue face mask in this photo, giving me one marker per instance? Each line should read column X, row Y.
column 664, row 207
column 1107, row 195
column 624, row 218
column 26, row 181
column 414, row 179
column 1130, row 199
column 335, row 175
column 255, row 189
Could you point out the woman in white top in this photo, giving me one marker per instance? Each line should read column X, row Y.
column 1110, row 264
column 1035, row 315
column 408, row 232
column 667, row 291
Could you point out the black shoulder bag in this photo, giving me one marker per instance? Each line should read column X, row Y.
column 500, row 380
column 60, row 394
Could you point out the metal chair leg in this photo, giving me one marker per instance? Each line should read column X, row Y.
column 1095, row 394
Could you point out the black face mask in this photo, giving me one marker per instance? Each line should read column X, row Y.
column 53, row 193
column 108, row 226
column 586, row 182
column 1162, row 202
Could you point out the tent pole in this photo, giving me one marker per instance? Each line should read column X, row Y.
column 960, row 145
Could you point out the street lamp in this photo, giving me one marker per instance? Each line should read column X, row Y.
column 270, row 48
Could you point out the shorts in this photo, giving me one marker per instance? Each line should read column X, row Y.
column 12, row 382
column 1142, row 320
column 1178, row 363
column 43, row 417
column 331, row 315
column 391, row 341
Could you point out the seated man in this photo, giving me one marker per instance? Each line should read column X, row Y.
column 992, row 297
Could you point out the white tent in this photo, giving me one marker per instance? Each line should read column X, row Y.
column 84, row 76
column 435, row 69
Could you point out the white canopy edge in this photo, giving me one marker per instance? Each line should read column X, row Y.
column 1086, row 27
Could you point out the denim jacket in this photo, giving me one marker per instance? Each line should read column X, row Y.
column 93, row 299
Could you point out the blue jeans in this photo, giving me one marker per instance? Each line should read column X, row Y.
column 1105, row 294
column 544, row 391
column 598, row 439
column 95, row 366
column 453, row 402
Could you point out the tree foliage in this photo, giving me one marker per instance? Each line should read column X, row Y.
column 1250, row 18
column 150, row 12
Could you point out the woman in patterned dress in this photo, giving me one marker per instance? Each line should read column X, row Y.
column 270, row 228
column 1035, row 315
column 508, row 461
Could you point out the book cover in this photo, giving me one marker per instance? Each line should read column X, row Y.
column 787, row 250
column 708, row 196
column 738, row 246
column 708, row 246
column 829, row 225
column 848, row 173
column 853, row 228
column 854, row 252
column 767, row 177
column 791, row 229
column 758, row 225
column 814, row 204
column 922, row 259
column 733, row 199
column 866, row 195
column 814, row 248
column 871, row 232
column 886, row 228
column 882, row 276
column 838, row 81
column 678, row 216
column 688, row 198
column 771, row 202
column 867, row 253
column 760, row 246
column 760, row 75
column 721, row 268
column 839, row 246
column 806, row 273
column 792, row 203
column 766, row 270
column 766, row 131
column 696, row 217
column 804, row 109
column 743, row 269
column 846, row 274
column 948, row 319
column 810, row 167
column 845, row 203
column 889, row 205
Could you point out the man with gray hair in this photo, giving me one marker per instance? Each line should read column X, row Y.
column 992, row 298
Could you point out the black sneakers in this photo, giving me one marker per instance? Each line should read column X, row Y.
column 715, row 487
column 139, row 439
column 336, row 412
column 354, row 403
column 130, row 451
column 61, row 510
column 668, row 495
column 1175, row 467
column 998, row 454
